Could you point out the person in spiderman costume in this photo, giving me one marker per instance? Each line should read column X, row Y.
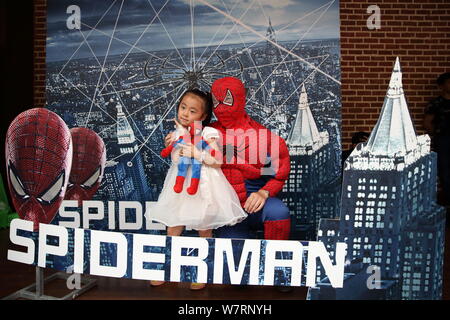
column 248, row 148
column 38, row 154
column 88, row 165
column 193, row 135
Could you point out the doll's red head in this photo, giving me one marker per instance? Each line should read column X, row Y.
column 228, row 96
column 88, row 164
column 38, row 158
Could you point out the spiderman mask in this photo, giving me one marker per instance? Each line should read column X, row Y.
column 88, row 164
column 228, row 95
column 38, row 158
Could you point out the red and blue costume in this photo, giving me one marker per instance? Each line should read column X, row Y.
column 248, row 147
column 194, row 135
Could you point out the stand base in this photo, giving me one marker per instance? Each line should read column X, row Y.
column 30, row 292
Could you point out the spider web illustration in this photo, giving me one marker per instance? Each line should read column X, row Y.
column 145, row 82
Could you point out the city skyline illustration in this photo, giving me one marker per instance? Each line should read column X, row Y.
column 126, row 91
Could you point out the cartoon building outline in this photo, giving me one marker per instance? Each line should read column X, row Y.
column 312, row 189
column 131, row 157
column 389, row 216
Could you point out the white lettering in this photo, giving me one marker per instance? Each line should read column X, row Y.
column 178, row 260
column 295, row 263
column 88, row 216
column 60, row 249
column 78, row 251
column 225, row 246
column 71, row 214
column 22, row 257
column 335, row 273
column 111, row 215
column 139, row 256
column 115, row 238
column 134, row 206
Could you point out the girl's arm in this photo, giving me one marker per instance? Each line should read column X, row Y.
column 204, row 156
column 209, row 160
column 168, row 150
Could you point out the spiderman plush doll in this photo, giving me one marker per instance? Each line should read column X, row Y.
column 248, row 148
column 193, row 135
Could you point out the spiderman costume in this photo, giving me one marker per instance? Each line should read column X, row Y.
column 248, row 147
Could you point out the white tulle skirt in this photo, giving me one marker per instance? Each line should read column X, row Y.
column 215, row 204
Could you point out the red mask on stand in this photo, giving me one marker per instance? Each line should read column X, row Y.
column 88, row 164
column 38, row 158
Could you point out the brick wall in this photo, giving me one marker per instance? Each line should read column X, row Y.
column 416, row 31
column 40, row 28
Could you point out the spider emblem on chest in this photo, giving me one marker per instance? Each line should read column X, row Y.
column 230, row 150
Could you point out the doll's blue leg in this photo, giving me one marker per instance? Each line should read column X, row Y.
column 195, row 179
column 196, row 168
column 183, row 165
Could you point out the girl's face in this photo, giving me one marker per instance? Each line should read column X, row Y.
column 191, row 109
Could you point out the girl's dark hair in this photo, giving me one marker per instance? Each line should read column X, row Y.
column 208, row 104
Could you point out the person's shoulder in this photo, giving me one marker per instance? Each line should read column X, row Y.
column 256, row 125
column 215, row 125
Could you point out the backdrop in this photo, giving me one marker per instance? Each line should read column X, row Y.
column 119, row 68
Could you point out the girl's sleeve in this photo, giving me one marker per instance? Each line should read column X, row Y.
column 214, row 157
column 210, row 133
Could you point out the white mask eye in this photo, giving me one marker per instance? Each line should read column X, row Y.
column 17, row 184
column 53, row 192
column 92, row 180
column 228, row 98
column 215, row 101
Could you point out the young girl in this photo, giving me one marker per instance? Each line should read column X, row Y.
column 215, row 203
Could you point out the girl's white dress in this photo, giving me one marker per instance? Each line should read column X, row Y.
column 215, row 204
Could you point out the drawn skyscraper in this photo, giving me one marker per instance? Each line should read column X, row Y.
column 312, row 190
column 270, row 34
column 131, row 158
column 389, row 217
column 117, row 184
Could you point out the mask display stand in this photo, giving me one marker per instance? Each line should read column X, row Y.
column 36, row 290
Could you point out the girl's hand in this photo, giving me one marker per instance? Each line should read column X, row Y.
column 177, row 124
column 169, row 138
column 256, row 201
column 190, row 151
